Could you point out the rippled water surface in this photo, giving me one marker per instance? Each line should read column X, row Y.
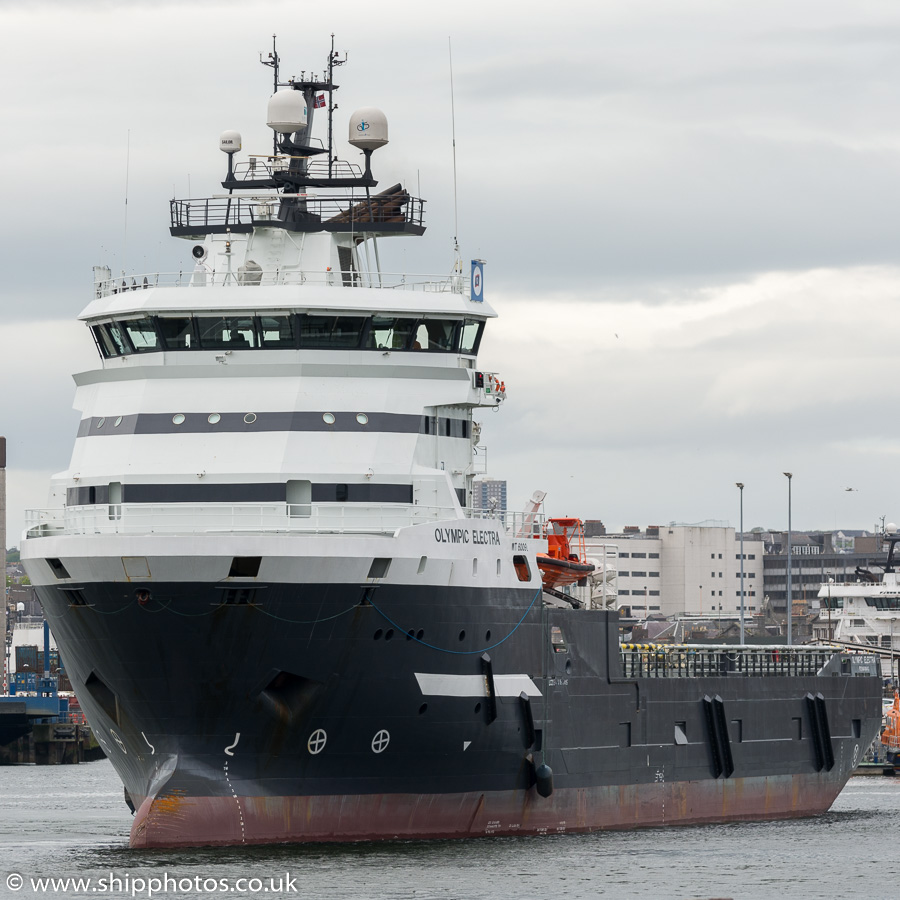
column 71, row 821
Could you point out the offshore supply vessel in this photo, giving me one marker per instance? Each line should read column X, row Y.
column 282, row 616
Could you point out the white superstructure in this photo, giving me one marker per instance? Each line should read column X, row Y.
column 282, row 386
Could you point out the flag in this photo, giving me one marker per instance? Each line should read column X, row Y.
column 320, row 101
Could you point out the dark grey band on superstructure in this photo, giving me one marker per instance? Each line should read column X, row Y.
column 199, row 423
column 97, row 494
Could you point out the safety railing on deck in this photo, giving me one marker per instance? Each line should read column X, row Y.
column 221, row 518
column 105, row 284
column 696, row 661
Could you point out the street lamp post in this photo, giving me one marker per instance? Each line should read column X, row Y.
column 790, row 598
column 740, row 487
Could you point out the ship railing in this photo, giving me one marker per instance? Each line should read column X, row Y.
column 697, row 660
column 223, row 518
column 204, row 276
column 351, row 212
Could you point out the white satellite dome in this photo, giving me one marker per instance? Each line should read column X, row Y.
column 368, row 128
column 890, row 528
column 287, row 111
column 230, row 141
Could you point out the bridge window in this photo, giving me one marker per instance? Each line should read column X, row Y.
column 232, row 333
column 110, row 340
column 142, row 333
column 277, row 331
column 435, row 334
column 471, row 337
column 389, row 333
column 177, row 332
column 330, row 331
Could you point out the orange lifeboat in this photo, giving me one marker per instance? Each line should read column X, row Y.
column 890, row 737
column 564, row 562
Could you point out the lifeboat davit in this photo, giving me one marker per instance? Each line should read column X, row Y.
column 564, row 562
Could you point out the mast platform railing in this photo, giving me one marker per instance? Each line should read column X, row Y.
column 298, row 212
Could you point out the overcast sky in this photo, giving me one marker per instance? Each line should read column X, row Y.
column 688, row 212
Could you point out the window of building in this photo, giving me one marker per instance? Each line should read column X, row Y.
column 624, row 593
column 638, row 555
column 654, row 574
column 638, row 574
column 654, row 594
column 654, row 555
column 623, row 574
column 623, row 556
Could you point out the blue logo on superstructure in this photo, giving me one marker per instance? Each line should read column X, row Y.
column 363, row 125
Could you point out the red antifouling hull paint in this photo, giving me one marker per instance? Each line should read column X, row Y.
column 175, row 820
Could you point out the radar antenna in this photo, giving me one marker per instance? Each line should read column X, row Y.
column 457, row 261
column 333, row 60
column 272, row 61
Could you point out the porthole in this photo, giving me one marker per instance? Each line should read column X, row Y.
column 389, row 634
column 214, row 419
column 328, row 418
column 477, row 708
column 118, row 422
column 178, row 419
column 362, row 418
column 250, row 418
column 377, row 635
column 101, row 422
column 422, row 709
column 568, row 667
column 410, row 634
column 487, row 635
column 420, row 634
column 462, row 635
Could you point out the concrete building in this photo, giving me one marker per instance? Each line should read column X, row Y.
column 815, row 557
column 676, row 570
column 490, row 494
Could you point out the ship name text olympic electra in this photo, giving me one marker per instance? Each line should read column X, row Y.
column 463, row 536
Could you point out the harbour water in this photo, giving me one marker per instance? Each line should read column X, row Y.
column 71, row 822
